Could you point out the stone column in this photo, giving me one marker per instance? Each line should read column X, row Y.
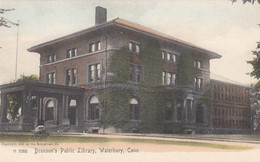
column 26, row 106
column 80, row 111
column 63, row 109
column 185, row 111
column 27, row 120
column 4, row 107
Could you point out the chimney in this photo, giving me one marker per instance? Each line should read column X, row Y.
column 101, row 15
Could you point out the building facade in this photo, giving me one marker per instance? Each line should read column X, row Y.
column 231, row 107
column 86, row 85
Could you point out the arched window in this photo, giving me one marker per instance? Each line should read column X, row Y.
column 73, row 103
column 134, row 109
column 49, row 111
column 72, row 112
column 93, row 108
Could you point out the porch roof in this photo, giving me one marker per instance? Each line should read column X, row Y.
column 37, row 87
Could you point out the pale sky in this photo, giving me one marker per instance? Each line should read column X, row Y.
column 228, row 29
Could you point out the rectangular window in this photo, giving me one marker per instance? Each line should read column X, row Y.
column 163, row 53
column 54, row 58
column 174, row 58
column 71, row 52
column 137, row 46
column 198, row 83
column 94, row 72
column 74, row 76
column 51, row 58
column 136, row 73
column 98, row 74
column 163, row 78
column 134, row 47
column 68, row 74
column 51, row 78
column 95, row 46
column 168, row 78
column 168, row 56
column 198, row 64
column 71, row 76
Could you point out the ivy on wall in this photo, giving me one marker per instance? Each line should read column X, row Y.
column 186, row 70
column 153, row 66
column 116, row 110
column 151, row 93
column 120, row 65
column 205, row 99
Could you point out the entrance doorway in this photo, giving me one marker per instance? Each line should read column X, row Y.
column 72, row 112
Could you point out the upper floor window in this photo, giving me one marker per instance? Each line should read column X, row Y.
column 136, row 73
column 71, row 77
column 51, row 58
column 168, row 56
column 134, row 47
column 71, row 52
column 197, row 64
column 168, row 78
column 94, row 72
column 51, row 78
column 95, row 46
column 198, row 83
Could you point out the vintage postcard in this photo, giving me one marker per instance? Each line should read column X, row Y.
column 129, row 80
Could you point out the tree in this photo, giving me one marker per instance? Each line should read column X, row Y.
column 4, row 21
column 256, row 65
column 14, row 99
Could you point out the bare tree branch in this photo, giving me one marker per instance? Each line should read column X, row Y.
column 2, row 11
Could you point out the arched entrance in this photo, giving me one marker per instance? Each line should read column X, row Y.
column 93, row 108
column 49, row 111
column 134, row 109
column 72, row 112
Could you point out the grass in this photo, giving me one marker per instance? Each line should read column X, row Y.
column 77, row 139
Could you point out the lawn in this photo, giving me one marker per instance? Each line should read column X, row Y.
column 29, row 137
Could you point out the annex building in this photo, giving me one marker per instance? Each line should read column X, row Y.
column 119, row 76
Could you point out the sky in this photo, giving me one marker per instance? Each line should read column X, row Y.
column 228, row 29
